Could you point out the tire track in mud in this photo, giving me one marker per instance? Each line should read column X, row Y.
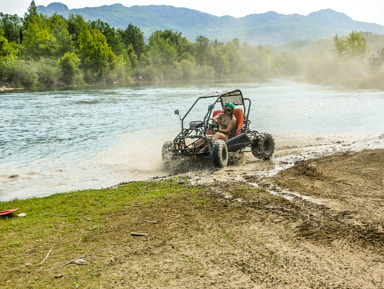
column 324, row 218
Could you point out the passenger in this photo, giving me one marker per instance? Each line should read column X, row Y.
column 227, row 123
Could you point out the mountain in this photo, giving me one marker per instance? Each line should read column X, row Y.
column 255, row 29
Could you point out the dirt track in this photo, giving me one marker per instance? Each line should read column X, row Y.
column 318, row 224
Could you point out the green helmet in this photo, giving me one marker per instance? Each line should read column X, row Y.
column 231, row 105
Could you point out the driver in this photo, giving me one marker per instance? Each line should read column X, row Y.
column 227, row 123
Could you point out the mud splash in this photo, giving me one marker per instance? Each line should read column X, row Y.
column 288, row 153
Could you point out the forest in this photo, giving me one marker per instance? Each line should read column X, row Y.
column 37, row 51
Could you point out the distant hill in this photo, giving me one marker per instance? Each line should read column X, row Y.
column 267, row 28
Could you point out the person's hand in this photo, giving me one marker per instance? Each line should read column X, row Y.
column 213, row 125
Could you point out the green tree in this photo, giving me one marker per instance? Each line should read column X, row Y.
column 354, row 45
column 47, row 37
column 62, row 42
column 133, row 59
column 11, row 27
column 167, row 46
column 203, row 50
column 132, row 35
column 31, row 12
column 69, row 67
column 6, row 50
column 220, row 60
column 162, row 51
column 95, row 54
column 75, row 23
column 234, row 56
column 113, row 38
column 39, row 40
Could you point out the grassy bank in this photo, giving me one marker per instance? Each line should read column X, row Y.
column 36, row 248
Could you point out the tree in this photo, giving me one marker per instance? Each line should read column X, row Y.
column 220, row 60
column 113, row 38
column 69, row 67
column 377, row 61
column 167, row 47
column 162, row 51
column 6, row 50
column 75, row 24
column 132, row 35
column 95, row 54
column 11, row 27
column 133, row 59
column 354, row 45
column 61, row 38
column 234, row 56
column 203, row 50
column 39, row 40
column 47, row 37
column 31, row 12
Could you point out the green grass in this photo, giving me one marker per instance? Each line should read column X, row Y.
column 64, row 220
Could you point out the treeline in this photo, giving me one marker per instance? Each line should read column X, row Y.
column 49, row 51
column 41, row 51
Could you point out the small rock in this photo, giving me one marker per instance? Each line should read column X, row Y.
column 80, row 261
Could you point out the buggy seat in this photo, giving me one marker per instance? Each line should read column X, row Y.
column 238, row 113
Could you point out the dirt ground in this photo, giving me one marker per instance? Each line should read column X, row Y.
column 316, row 224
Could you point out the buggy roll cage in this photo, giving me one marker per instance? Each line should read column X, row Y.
column 197, row 140
column 234, row 96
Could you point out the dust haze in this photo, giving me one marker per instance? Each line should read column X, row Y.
column 318, row 62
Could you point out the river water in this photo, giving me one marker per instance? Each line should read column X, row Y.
column 65, row 140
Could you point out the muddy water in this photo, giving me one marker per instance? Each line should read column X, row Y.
column 60, row 141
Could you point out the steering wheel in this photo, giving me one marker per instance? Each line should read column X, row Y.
column 214, row 126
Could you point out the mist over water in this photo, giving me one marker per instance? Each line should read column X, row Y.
column 58, row 141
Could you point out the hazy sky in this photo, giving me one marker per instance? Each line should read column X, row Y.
column 360, row 10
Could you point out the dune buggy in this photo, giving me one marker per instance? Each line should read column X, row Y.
column 191, row 139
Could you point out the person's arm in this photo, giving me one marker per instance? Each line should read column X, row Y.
column 216, row 118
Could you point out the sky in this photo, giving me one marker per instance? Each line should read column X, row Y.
column 371, row 11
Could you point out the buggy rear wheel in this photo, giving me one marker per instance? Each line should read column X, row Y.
column 263, row 146
column 220, row 154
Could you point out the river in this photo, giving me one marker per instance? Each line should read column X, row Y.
column 65, row 140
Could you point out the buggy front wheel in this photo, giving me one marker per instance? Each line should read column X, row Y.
column 220, row 154
column 167, row 153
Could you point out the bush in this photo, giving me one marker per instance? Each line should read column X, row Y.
column 172, row 72
column 47, row 71
column 188, row 69
column 205, row 72
column 148, row 73
column 118, row 73
column 69, row 68
column 20, row 73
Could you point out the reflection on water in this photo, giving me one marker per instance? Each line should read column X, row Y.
column 55, row 141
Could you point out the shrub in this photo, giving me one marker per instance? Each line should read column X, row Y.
column 20, row 73
column 69, row 68
column 188, row 69
column 205, row 72
column 47, row 71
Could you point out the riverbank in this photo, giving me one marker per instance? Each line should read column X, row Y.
column 317, row 224
column 6, row 88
